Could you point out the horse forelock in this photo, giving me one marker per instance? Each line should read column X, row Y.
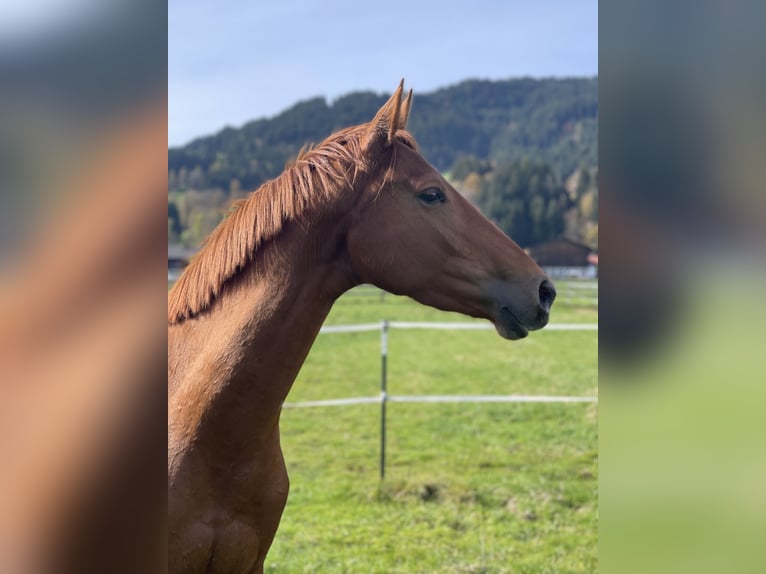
column 318, row 176
column 405, row 137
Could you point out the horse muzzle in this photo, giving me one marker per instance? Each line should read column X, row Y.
column 517, row 313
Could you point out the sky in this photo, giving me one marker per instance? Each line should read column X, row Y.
column 232, row 61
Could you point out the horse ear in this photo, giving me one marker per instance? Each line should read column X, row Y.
column 386, row 121
column 406, row 107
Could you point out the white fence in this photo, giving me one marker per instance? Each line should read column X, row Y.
column 441, row 399
column 383, row 398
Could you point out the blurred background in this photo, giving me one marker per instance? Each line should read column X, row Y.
column 682, row 266
column 83, row 144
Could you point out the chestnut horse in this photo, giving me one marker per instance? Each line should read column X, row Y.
column 362, row 207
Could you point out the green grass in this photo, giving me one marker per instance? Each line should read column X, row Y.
column 479, row 488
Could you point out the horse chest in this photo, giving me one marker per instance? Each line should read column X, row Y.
column 226, row 516
column 224, row 547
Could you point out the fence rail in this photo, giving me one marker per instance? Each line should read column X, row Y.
column 440, row 399
column 383, row 398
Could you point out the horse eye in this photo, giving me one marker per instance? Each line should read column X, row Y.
column 431, row 195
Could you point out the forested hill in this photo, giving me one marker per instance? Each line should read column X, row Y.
column 551, row 120
column 523, row 150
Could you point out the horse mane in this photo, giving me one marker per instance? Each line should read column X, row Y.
column 316, row 177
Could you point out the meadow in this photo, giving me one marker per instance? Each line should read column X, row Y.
column 469, row 488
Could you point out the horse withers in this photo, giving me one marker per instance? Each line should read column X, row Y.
column 362, row 207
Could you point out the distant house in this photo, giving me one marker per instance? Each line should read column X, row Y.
column 565, row 258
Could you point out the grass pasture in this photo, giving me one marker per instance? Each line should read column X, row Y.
column 469, row 488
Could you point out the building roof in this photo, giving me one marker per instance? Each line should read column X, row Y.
column 562, row 252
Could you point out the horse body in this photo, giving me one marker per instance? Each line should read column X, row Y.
column 364, row 206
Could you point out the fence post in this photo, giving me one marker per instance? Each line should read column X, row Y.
column 383, row 395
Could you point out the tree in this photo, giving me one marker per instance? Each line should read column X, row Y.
column 524, row 199
column 183, row 175
column 196, row 178
column 235, row 189
column 468, row 164
column 471, row 187
column 174, row 223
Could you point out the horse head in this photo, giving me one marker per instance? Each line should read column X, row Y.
column 412, row 233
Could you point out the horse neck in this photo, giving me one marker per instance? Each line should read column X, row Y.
column 242, row 356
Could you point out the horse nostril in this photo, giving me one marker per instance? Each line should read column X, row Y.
column 547, row 295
